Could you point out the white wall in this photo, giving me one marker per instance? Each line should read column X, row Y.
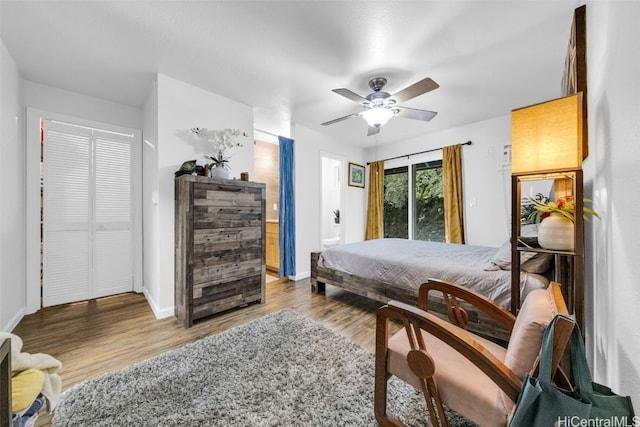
column 180, row 107
column 612, row 175
column 12, row 201
column 308, row 147
column 486, row 187
column 75, row 104
column 150, row 207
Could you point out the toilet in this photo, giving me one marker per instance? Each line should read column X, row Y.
column 331, row 241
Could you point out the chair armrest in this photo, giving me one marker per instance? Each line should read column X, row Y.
column 448, row 289
column 459, row 340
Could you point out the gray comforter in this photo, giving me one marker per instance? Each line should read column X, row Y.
column 409, row 263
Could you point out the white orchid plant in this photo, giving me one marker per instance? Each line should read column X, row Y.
column 220, row 140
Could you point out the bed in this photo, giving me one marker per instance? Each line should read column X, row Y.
column 393, row 269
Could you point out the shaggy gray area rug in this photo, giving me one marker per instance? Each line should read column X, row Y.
column 283, row 369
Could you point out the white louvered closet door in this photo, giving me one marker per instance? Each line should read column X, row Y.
column 87, row 213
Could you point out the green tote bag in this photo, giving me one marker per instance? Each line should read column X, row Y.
column 542, row 403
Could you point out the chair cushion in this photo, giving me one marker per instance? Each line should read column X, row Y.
column 526, row 337
column 25, row 388
column 463, row 387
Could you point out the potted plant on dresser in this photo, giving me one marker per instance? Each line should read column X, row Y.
column 220, row 141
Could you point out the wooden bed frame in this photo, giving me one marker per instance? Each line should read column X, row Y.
column 479, row 322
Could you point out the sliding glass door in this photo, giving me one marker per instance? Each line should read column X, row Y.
column 396, row 202
column 413, row 202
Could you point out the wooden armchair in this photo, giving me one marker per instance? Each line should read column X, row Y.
column 473, row 376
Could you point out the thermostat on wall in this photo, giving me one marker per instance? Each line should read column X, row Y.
column 504, row 159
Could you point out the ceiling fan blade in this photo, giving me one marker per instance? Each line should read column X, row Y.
column 351, row 95
column 412, row 113
column 339, row 119
column 423, row 86
column 373, row 130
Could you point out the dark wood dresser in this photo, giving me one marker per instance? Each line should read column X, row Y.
column 220, row 245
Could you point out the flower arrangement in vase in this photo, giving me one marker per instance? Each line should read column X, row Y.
column 557, row 230
column 220, row 141
column 565, row 206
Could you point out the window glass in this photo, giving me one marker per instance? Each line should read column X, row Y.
column 429, row 202
column 421, row 216
column 396, row 202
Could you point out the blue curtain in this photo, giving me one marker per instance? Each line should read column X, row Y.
column 286, row 215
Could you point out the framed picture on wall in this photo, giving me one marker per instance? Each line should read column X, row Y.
column 356, row 175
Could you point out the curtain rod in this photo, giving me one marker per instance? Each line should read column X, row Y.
column 419, row 152
column 264, row 131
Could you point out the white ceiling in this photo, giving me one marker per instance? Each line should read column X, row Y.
column 284, row 57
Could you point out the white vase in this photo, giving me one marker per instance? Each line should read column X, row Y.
column 219, row 172
column 556, row 232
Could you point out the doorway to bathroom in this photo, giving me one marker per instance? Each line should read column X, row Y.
column 332, row 212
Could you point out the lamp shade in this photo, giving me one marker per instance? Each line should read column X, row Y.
column 547, row 136
column 377, row 116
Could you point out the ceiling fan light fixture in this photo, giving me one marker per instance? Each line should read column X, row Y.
column 377, row 116
column 378, row 107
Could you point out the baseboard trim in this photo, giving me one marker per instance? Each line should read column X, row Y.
column 159, row 313
column 300, row 276
column 14, row 321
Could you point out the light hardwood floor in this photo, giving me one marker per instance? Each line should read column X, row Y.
column 94, row 337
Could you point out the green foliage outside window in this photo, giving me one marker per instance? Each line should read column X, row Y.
column 429, row 221
column 396, row 203
column 429, row 202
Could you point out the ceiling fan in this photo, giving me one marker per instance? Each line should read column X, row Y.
column 379, row 107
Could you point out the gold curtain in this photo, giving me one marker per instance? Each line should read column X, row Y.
column 375, row 203
column 452, row 188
